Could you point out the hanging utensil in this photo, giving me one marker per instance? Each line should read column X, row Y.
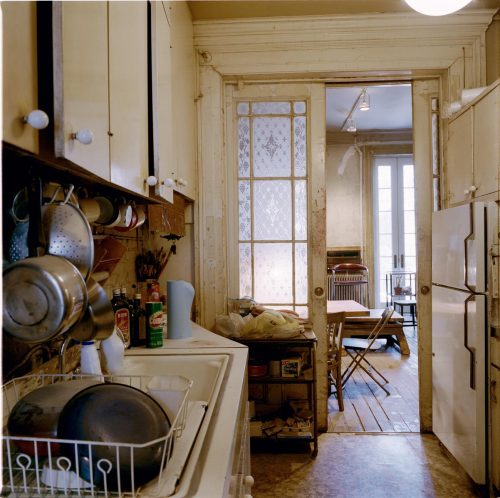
column 43, row 295
column 68, row 233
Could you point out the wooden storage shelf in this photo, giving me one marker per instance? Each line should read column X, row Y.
column 270, row 348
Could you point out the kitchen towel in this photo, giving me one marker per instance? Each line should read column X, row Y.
column 180, row 296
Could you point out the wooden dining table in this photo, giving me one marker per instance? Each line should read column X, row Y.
column 360, row 320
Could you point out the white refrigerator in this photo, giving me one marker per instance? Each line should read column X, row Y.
column 459, row 334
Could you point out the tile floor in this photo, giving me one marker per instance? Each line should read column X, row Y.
column 362, row 466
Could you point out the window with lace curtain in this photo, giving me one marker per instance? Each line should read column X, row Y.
column 272, row 199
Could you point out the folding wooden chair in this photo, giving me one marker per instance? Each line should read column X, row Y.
column 358, row 355
column 334, row 334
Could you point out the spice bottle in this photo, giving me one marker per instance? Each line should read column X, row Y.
column 138, row 323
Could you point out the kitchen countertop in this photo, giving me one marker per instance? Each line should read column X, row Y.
column 216, row 457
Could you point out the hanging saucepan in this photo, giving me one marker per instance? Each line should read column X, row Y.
column 99, row 319
column 43, row 295
column 68, row 233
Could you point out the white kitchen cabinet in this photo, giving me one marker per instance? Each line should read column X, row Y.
column 473, row 149
column 19, row 73
column 174, row 109
column 460, row 160
column 81, row 83
column 128, row 94
column 487, row 142
column 101, row 85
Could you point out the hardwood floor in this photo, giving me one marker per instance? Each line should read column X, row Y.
column 367, row 408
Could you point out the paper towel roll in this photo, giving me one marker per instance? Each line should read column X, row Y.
column 179, row 300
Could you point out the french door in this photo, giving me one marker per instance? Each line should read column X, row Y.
column 394, row 226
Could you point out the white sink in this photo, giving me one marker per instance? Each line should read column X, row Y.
column 207, row 373
column 205, row 370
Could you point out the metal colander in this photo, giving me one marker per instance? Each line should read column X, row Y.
column 69, row 235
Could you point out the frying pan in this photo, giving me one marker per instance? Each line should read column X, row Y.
column 43, row 295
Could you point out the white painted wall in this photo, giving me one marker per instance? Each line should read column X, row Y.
column 343, row 198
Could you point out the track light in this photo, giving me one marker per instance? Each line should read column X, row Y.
column 351, row 125
column 364, row 101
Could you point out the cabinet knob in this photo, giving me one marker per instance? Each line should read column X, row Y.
column 151, row 181
column 472, row 188
column 84, row 136
column 424, row 289
column 168, row 183
column 37, row 119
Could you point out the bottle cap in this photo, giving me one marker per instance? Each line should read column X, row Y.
column 116, row 291
column 137, row 296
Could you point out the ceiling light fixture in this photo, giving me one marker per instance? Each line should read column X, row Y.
column 437, row 8
column 364, row 101
column 351, row 125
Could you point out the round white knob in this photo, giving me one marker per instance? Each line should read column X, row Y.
column 37, row 119
column 182, row 182
column 151, row 181
column 466, row 191
column 84, row 136
column 472, row 188
column 168, row 182
column 249, row 481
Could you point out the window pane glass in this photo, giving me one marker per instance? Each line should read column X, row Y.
column 409, row 199
column 301, row 273
column 245, row 270
column 299, row 144
column 408, row 176
column 384, row 176
column 385, row 265
column 299, row 107
column 411, row 264
column 384, row 222
column 271, row 147
column 243, row 108
column 303, row 311
column 272, row 200
column 300, row 210
column 385, row 245
column 273, row 278
column 384, row 199
column 271, row 108
column 409, row 218
column 244, row 147
column 409, row 245
column 244, row 207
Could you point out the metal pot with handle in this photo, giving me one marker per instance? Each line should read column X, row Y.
column 43, row 295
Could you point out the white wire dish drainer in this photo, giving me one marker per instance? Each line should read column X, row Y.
column 40, row 471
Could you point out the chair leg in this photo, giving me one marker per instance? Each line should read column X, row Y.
column 356, row 360
column 340, row 388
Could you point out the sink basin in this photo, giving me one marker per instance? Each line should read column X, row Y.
column 205, row 370
column 207, row 373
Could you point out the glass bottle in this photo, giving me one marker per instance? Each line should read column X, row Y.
column 138, row 323
column 121, row 309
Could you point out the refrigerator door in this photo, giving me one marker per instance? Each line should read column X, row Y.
column 458, row 247
column 459, row 377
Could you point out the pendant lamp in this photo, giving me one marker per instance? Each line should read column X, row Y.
column 437, row 7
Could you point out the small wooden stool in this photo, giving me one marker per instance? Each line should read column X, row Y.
column 399, row 306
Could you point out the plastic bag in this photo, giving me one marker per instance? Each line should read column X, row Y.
column 229, row 325
column 271, row 323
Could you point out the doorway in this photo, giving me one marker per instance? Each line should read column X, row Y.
column 371, row 211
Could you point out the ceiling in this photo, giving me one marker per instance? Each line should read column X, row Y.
column 233, row 9
column 390, row 108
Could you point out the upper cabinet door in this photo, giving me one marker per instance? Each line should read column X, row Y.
column 161, row 67
column 487, row 143
column 460, row 157
column 81, row 83
column 184, row 101
column 19, row 73
column 128, row 94
column 174, row 108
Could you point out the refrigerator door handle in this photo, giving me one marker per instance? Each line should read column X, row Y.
column 472, row 350
column 472, row 288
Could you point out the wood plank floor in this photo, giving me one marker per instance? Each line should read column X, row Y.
column 367, row 408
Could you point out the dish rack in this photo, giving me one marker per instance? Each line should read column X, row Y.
column 51, row 475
